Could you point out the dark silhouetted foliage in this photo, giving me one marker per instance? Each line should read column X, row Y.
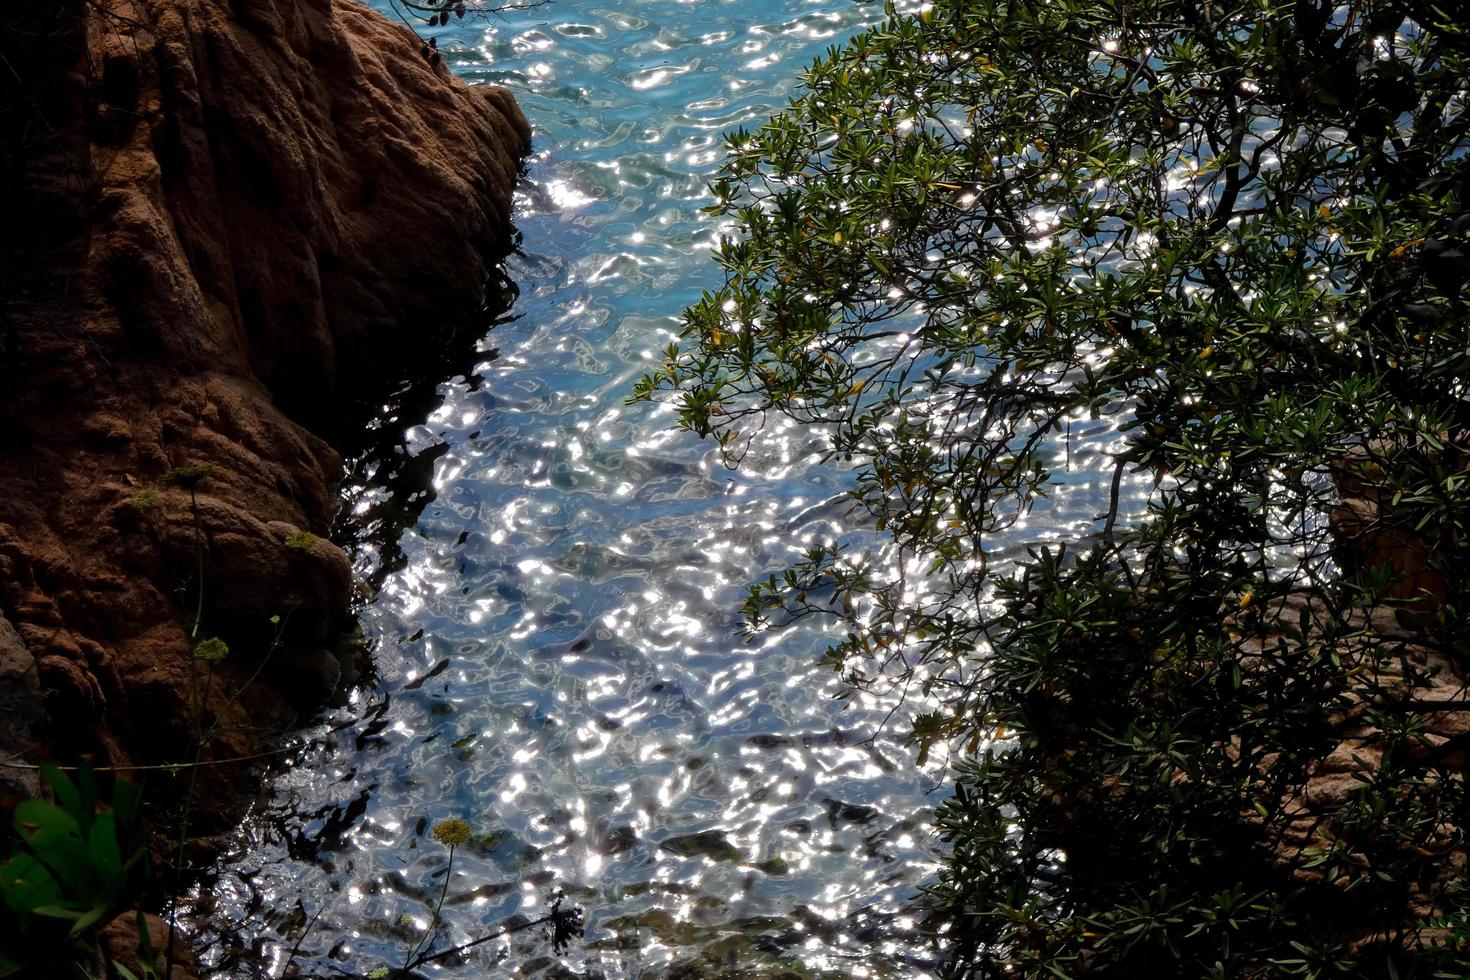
column 1229, row 239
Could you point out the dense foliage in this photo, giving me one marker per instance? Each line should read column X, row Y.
column 1234, row 233
column 67, row 869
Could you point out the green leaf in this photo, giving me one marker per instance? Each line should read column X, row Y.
column 89, row 920
column 103, row 847
column 67, row 793
column 27, row 885
column 53, row 836
column 127, row 807
column 59, row 912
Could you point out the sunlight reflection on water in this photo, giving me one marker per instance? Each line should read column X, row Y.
column 712, row 805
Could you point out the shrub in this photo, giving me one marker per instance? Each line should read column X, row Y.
column 1230, row 239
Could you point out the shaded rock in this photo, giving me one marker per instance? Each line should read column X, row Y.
column 22, row 714
column 121, row 942
column 233, row 226
column 710, row 844
column 307, row 677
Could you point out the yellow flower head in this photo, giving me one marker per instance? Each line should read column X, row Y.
column 212, row 650
column 452, row 832
column 189, row 476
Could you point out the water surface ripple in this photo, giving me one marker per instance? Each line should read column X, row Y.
column 557, row 659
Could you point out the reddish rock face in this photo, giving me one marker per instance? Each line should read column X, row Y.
column 232, row 223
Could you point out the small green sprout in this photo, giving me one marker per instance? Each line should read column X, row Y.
column 380, row 973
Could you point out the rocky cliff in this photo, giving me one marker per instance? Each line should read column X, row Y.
column 233, row 224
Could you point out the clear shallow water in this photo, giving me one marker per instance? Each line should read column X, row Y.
column 557, row 659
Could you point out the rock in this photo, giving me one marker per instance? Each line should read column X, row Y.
column 120, row 943
column 22, row 714
column 307, row 677
column 231, row 227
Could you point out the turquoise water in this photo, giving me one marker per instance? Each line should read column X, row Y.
column 557, row 658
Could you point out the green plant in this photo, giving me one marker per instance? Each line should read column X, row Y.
column 211, row 652
column 1231, row 239
column 145, row 501
column 301, row 540
column 69, row 868
column 565, row 923
column 190, row 475
column 451, row 833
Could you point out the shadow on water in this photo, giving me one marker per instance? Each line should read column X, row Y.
column 388, row 480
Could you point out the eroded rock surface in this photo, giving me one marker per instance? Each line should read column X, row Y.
column 232, row 224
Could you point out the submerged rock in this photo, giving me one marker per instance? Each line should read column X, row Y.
column 233, row 224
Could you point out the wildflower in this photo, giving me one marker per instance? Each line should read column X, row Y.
column 452, row 832
column 190, row 475
column 144, row 500
column 212, row 650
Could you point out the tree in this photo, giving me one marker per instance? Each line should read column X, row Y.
column 1235, row 232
